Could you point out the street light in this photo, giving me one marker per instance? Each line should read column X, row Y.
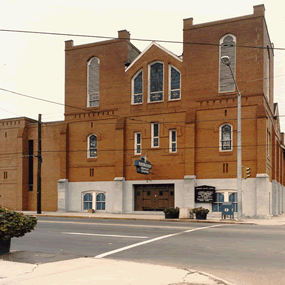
column 226, row 61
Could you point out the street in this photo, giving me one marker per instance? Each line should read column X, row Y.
column 241, row 254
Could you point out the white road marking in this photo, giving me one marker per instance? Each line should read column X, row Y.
column 118, row 225
column 101, row 235
column 151, row 240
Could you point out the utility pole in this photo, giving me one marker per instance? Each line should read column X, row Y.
column 39, row 156
column 226, row 61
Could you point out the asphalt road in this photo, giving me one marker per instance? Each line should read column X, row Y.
column 242, row 254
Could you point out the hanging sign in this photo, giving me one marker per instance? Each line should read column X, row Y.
column 205, row 194
column 143, row 166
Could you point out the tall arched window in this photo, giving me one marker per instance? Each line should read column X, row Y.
column 93, row 75
column 227, row 48
column 100, row 201
column 137, row 88
column 226, row 137
column 174, row 83
column 87, row 201
column 155, row 82
column 92, row 146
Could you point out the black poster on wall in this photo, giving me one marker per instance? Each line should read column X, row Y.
column 205, row 194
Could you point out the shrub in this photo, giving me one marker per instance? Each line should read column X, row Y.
column 202, row 211
column 15, row 224
column 171, row 210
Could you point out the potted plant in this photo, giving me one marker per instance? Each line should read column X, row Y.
column 171, row 213
column 13, row 224
column 201, row 213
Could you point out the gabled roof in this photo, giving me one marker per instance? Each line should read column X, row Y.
column 145, row 51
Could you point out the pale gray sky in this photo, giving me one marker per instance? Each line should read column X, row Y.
column 34, row 64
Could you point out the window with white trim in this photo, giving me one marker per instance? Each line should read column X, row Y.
column 138, row 143
column 224, row 196
column 172, row 141
column 155, row 88
column 95, row 200
column 100, row 201
column 226, row 137
column 155, row 135
column 174, row 83
column 92, row 146
column 93, row 76
column 137, row 88
column 227, row 48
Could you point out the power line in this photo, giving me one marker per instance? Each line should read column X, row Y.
column 133, row 39
column 117, row 116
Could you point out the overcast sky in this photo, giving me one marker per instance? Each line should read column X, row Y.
column 33, row 64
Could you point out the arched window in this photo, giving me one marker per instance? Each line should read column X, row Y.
column 174, row 83
column 93, row 75
column 93, row 199
column 100, row 201
column 87, row 201
column 137, row 88
column 92, row 146
column 155, row 82
column 225, row 137
column 227, row 48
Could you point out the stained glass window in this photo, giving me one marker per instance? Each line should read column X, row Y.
column 226, row 137
column 227, row 48
column 100, row 201
column 93, row 72
column 174, row 84
column 156, row 82
column 92, row 146
column 155, row 134
column 138, row 143
column 138, row 88
column 172, row 141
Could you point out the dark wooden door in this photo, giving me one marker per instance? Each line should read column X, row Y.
column 154, row 197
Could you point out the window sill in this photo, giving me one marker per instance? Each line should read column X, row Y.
column 225, row 153
column 90, row 159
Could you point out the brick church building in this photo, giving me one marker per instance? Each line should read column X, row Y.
column 175, row 113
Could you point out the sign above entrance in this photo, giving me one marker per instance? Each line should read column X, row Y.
column 143, row 166
column 205, row 194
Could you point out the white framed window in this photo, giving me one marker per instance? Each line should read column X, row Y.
column 226, row 143
column 172, row 141
column 154, row 134
column 155, row 86
column 95, row 200
column 227, row 48
column 137, row 88
column 100, row 201
column 138, row 143
column 93, row 76
column 174, row 83
column 92, row 146
column 224, row 196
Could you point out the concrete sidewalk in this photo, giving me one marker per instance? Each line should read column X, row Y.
column 100, row 271
column 272, row 221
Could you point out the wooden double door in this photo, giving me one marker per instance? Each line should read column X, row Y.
column 154, row 197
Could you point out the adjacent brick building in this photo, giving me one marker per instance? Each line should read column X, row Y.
column 178, row 112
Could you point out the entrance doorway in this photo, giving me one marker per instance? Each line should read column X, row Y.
column 154, row 197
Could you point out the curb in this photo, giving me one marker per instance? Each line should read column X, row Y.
column 146, row 219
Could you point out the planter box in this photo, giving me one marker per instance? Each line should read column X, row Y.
column 5, row 246
column 91, row 211
column 171, row 216
column 201, row 217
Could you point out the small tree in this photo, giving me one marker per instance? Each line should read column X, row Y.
column 15, row 224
